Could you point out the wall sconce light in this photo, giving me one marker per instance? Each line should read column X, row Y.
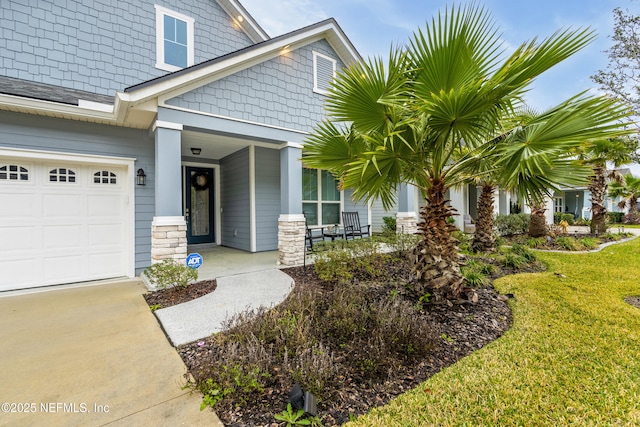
column 141, row 178
column 196, row 151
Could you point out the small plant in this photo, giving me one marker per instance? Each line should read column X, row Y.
column 155, row 307
column 508, row 225
column 487, row 269
column 589, row 242
column 390, row 225
column 474, row 278
column 292, row 418
column 169, row 273
column 524, row 252
column 615, row 217
column 563, row 226
column 535, row 242
column 569, row 244
column 512, row 260
column 568, row 218
column 212, row 393
column 447, row 338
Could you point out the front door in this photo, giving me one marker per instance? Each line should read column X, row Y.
column 199, row 205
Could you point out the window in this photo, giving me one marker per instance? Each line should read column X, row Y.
column 320, row 197
column 104, row 177
column 62, row 175
column 558, row 204
column 14, row 173
column 324, row 69
column 174, row 40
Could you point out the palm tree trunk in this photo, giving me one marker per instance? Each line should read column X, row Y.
column 633, row 206
column 483, row 239
column 538, row 224
column 437, row 260
column 598, row 189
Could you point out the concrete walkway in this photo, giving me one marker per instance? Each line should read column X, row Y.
column 201, row 317
column 91, row 356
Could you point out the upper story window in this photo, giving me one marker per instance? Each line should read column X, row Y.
column 174, row 40
column 324, row 70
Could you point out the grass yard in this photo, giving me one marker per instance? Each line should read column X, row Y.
column 572, row 356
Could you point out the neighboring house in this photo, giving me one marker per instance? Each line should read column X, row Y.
column 463, row 199
column 131, row 129
column 577, row 201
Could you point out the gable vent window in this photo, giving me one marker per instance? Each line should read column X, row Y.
column 14, row 173
column 324, row 69
column 62, row 175
column 104, row 177
column 174, row 40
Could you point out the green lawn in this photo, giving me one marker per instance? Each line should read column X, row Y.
column 572, row 356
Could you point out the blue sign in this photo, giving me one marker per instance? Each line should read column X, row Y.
column 194, row 260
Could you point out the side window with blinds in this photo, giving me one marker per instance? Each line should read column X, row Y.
column 324, row 69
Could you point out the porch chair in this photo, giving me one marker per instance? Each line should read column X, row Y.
column 311, row 235
column 352, row 227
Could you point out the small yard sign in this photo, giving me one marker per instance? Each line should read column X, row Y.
column 194, row 260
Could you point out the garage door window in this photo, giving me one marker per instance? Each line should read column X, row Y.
column 14, row 173
column 105, row 177
column 62, row 175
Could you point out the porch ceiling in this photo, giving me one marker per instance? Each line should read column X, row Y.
column 213, row 146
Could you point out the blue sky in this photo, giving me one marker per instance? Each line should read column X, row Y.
column 373, row 25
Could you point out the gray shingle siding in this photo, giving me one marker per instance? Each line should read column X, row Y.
column 47, row 134
column 104, row 47
column 267, row 198
column 278, row 92
column 234, row 185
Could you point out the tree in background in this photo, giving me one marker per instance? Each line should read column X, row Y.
column 597, row 154
column 629, row 190
column 621, row 78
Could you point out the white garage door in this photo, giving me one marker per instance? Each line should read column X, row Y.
column 61, row 222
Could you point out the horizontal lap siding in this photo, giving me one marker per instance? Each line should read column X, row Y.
column 64, row 136
column 267, row 198
column 352, row 206
column 234, row 188
column 378, row 212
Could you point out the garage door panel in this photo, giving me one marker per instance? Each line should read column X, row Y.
column 105, row 234
column 19, row 274
column 98, row 264
column 105, row 206
column 64, row 269
column 17, row 238
column 62, row 205
column 17, row 205
column 63, row 236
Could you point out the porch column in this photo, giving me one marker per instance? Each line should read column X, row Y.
column 291, row 223
column 459, row 200
column 168, row 229
column 406, row 218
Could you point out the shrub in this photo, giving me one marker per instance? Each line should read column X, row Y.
column 507, row 225
column 474, row 278
column 615, row 217
column 632, row 219
column 567, row 217
column 390, row 224
column 557, row 217
column 169, row 273
column 512, row 260
column 523, row 252
column 583, row 222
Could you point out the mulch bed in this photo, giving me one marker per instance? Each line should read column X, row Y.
column 463, row 327
column 634, row 301
column 177, row 295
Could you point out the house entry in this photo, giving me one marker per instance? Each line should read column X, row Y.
column 199, row 212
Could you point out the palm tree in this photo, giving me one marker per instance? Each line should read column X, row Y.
column 629, row 190
column 617, row 151
column 437, row 100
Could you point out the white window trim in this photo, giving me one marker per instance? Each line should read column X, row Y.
column 160, row 13
column 316, row 89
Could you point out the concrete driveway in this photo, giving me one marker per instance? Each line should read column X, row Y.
column 91, row 356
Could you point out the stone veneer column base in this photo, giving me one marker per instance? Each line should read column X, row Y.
column 406, row 222
column 168, row 239
column 291, row 236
